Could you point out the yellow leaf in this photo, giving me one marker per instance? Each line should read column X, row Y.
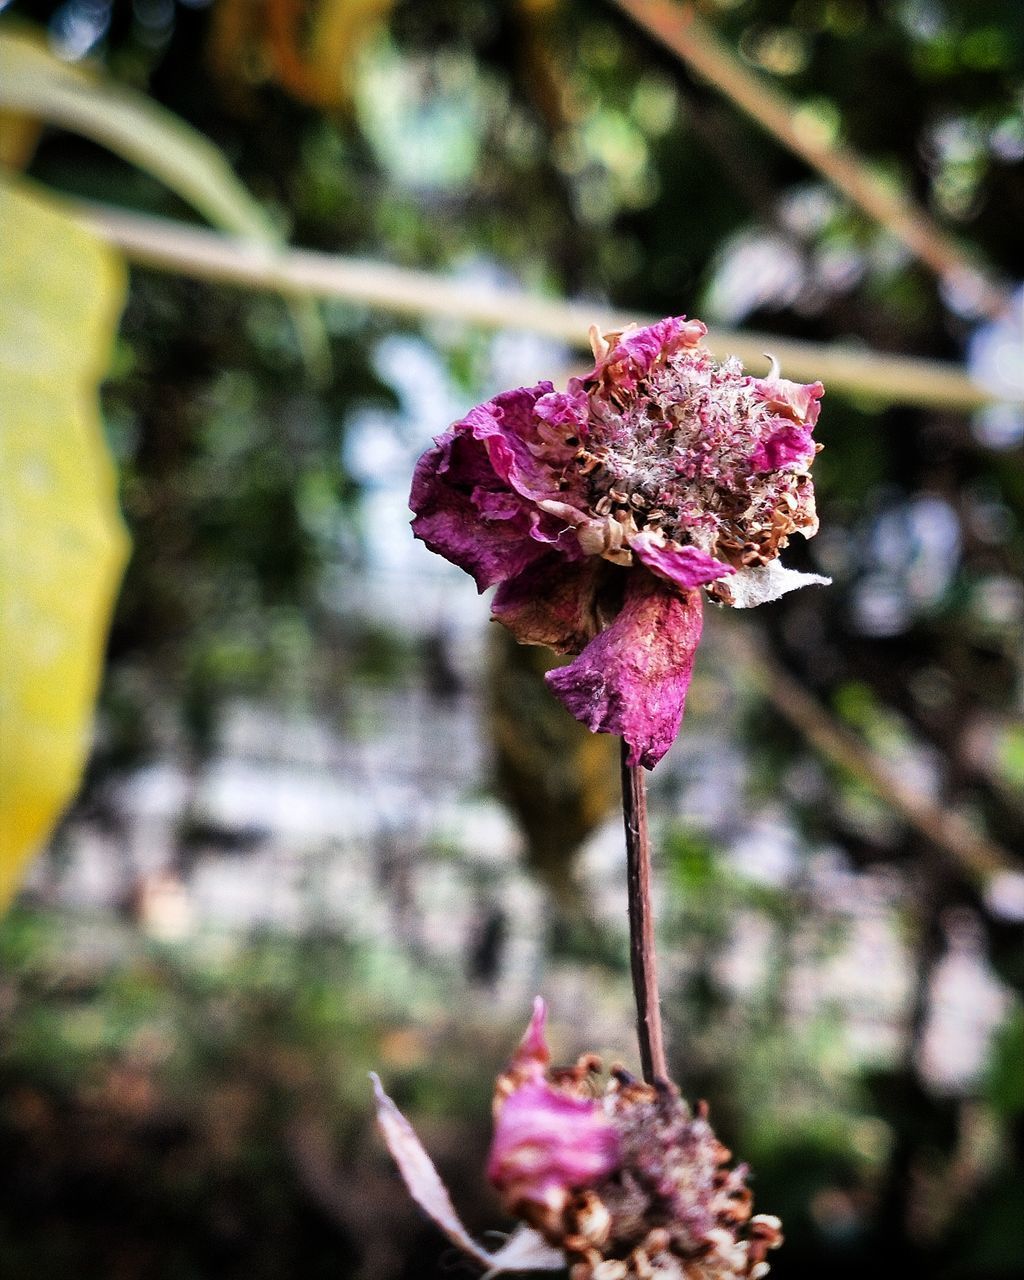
column 18, row 137
column 62, row 544
column 309, row 49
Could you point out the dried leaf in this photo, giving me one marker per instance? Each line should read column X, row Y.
column 751, row 587
column 524, row 1250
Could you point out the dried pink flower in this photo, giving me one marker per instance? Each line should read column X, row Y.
column 601, row 512
column 550, row 1138
column 617, row 1184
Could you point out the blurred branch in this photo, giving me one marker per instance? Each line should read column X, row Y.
column 36, row 83
column 39, row 86
column 681, row 30
column 172, row 246
column 972, row 851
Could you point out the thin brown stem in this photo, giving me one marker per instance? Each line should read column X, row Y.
column 642, row 957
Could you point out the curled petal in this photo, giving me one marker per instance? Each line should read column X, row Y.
column 644, row 346
column 475, row 494
column 753, row 586
column 525, row 1250
column 797, row 401
column 551, row 602
column 686, row 567
column 632, row 679
column 565, row 409
column 533, row 1049
column 633, row 352
column 790, row 443
column 464, row 514
column 526, row 453
column 548, row 1144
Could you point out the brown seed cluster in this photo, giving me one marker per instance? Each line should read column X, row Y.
column 672, row 1210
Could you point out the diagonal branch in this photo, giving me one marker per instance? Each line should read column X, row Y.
column 969, row 849
column 681, row 30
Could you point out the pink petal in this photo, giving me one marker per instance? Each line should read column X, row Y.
column 551, row 602
column 483, row 529
column 567, row 410
column 632, row 679
column 644, row 346
column 533, row 1048
column 527, row 452
column 547, row 1143
column 685, row 566
column 795, row 400
column 635, row 351
column 476, row 493
column 782, row 448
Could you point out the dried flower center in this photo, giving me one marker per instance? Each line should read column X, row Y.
column 671, row 1207
column 685, row 451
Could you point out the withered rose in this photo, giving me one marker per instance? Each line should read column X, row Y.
column 624, row 1182
column 600, row 513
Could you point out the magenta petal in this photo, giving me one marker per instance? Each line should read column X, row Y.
column 632, row 679
column 795, row 400
column 685, row 566
column 635, row 351
column 474, row 494
column 478, row 495
column 463, row 515
column 782, row 448
column 526, row 449
column 533, row 1052
column 644, row 346
column 494, row 505
column 547, row 1143
column 564, row 409
column 503, row 426
column 551, row 602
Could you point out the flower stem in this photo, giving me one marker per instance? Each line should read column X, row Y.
column 642, row 958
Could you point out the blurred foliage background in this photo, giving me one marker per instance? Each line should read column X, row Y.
column 330, row 824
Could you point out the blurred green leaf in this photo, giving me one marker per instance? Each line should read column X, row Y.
column 62, row 544
column 36, row 84
column 1010, row 755
column 1006, row 1072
